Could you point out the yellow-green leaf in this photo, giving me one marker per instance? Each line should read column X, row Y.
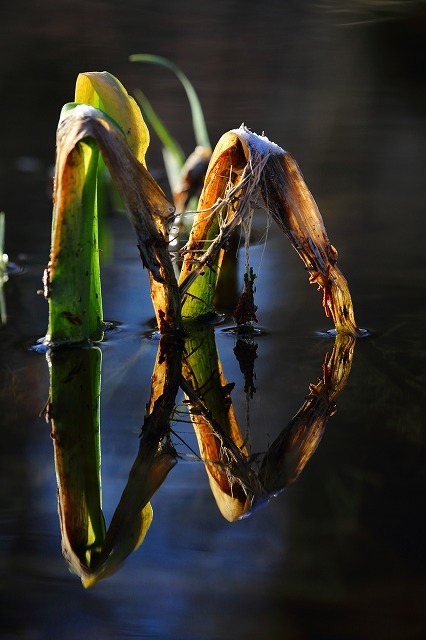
column 103, row 91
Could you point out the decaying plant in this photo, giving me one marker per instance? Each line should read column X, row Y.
column 244, row 169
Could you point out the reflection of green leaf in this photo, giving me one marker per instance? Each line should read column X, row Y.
column 132, row 536
column 74, row 410
column 159, row 127
column 222, row 448
column 198, row 121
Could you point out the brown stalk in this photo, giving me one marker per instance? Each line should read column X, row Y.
column 293, row 207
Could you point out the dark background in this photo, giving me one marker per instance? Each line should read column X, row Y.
column 340, row 554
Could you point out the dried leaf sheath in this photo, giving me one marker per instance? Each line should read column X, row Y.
column 293, row 207
column 224, row 172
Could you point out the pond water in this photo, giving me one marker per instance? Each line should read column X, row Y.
column 340, row 553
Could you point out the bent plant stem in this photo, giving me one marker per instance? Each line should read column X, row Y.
column 242, row 166
column 147, row 208
column 72, row 280
column 73, row 409
column 293, row 207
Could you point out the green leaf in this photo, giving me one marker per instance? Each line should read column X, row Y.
column 148, row 209
column 159, row 127
column 104, row 92
column 72, row 279
column 173, row 156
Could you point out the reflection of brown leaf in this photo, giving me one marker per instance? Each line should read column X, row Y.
column 289, row 453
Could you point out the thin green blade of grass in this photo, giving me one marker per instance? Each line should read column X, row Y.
column 159, row 127
column 198, row 121
column 173, row 155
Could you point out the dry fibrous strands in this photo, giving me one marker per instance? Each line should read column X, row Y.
column 231, row 211
column 148, row 209
column 230, row 185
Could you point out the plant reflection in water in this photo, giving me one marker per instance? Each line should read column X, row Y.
column 239, row 481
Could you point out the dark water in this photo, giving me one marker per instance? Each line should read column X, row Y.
column 340, row 554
